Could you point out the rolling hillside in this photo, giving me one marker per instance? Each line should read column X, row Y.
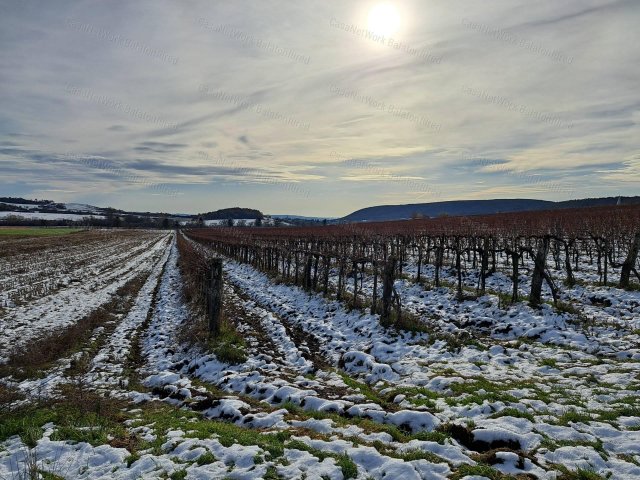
column 473, row 207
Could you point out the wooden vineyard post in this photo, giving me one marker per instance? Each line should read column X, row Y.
column 355, row 284
column 630, row 262
column 387, row 290
column 374, row 302
column 214, row 295
column 327, row 267
column 538, row 272
column 308, row 265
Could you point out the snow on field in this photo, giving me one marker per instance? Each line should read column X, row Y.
column 326, row 392
column 81, row 207
column 31, row 268
column 542, row 382
column 48, row 216
column 107, row 366
column 246, row 221
column 237, row 222
column 613, row 315
column 93, row 285
column 77, row 207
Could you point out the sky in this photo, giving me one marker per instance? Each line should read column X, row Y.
column 317, row 108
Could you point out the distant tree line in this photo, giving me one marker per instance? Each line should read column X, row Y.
column 108, row 221
column 24, row 201
column 231, row 213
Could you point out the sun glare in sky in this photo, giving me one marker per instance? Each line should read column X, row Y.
column 384, row 19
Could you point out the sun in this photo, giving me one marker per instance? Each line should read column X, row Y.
column 384, row 19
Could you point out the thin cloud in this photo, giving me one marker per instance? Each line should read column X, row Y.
column 140, row 113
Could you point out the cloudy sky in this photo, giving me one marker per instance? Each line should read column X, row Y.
column 317, row 108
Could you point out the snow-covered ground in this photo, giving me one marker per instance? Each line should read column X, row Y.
column 49, row 216
column 326, row 392
column 244, row 222
column 76, row 207
column 86, row 287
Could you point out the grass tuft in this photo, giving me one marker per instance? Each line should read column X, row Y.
column 228, row 346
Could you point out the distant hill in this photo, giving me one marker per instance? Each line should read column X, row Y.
column 235, row 213
column 21, row 211
column 19, row 205
column 474, row 207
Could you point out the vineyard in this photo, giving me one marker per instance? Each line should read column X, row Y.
column 489, row 347
column 604, row 237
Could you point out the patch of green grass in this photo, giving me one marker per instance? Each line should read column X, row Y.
column 49, row 476
column 629, row 459
column 504, row 298
column 82, row 417
column 230, row 354
column 409, row 455
column 216, row 392
column 178, row 475
column 89, row 427
column 491, row 391
column 229, row 345
column 633, row 287
column 628, row 400
column 392, row 321
column 548, row 443
column 579, row 474
column 561, row 395
column 419, row 396
column 25, row 423
column 409, row 323
column 565, row 307
column 437, row 436
column 573, row 416
column 615, row 413
column 205, row 459
column 445, row 372
column 368, row 425
column 549, row 362
column 513, row 412
column 481, row 470
column 553, row 444
column 469, row 390
column 31, row 435
column 37, row 231
column 363, row 388
column 349, row 469
column 271, row 473
column 166, row 418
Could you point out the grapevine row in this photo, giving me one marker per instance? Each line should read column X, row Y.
column 568, row 239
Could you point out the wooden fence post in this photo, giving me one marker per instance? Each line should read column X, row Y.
column 374, row 302
column 387, row 290
column 355, row 284
column 327, row 267
column 630, row 262
column 306, row 280
column 214, row 295
column 538, row 272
